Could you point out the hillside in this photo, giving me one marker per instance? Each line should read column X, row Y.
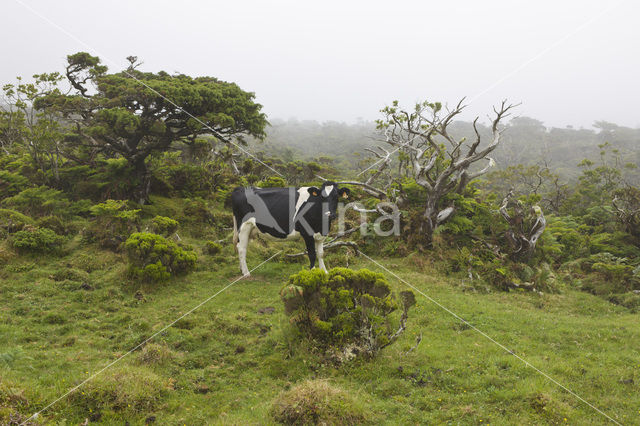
column 121, row 301
column 64, row 318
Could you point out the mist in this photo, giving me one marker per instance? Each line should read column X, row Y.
column 568, row 63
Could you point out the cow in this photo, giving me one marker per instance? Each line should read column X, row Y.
column 285, row 214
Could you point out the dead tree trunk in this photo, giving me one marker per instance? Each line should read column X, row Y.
column 438, row 162
column 524, row 232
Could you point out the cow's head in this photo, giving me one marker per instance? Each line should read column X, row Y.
column 328, row 195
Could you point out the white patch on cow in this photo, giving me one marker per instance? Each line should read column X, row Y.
column 303, row 196
column 327, row 190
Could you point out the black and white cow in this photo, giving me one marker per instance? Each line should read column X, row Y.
column 285, row 213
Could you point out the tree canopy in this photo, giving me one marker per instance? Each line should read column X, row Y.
column 134, row 114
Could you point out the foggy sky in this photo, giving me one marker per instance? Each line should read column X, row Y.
column 340, row 60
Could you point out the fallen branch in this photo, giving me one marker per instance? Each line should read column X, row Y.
column 418, row 340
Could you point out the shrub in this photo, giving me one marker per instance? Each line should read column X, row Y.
column 213, row 248
column 316, row 402
column 44, row 201
column 196, row 210
column 272, row 182
column 164, row 225
column 12, row 221
column 11, row 183
column 154, row 258
column 113, row 223
column 36, row 240
column 628, row 300
column 54, row 223
column 345, row 312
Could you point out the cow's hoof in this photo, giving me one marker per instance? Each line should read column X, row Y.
column 247, row 275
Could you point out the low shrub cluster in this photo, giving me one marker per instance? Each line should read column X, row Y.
column 32, row 239
column 44, row 201
column 12, row 221
column 154, row 258
column 164, row 225
column 346, row 313
column 114, row 221
column 212, row 248
column 196, row 210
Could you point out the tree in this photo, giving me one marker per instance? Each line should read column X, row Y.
column 37, row 131
column 134, row 114
column 438, row 162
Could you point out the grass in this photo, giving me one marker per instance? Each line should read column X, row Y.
column 232, row 361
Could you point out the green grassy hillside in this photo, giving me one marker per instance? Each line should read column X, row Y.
column 64, row 318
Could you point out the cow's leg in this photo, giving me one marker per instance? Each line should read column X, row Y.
column 319, row 246
column 311, row 250
column 244, row 236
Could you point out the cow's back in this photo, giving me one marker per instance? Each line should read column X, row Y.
column 273, row 209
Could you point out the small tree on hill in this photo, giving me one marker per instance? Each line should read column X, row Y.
column 134, row 114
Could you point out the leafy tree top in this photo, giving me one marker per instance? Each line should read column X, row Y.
column 133, row 113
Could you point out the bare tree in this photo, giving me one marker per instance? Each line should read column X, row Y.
column 437, row 161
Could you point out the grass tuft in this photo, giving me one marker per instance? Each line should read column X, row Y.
column 316, row 402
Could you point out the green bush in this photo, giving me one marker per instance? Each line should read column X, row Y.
column 12, row 221
column 213, row 248
column 54, row 223
column 272, row 182
column 345, row 312
column 628, row 300
column 113, row 223
column 11, row 183
column 154, row 258
column 36, row 240
column 164, row 225
column 44, row 201
column 196, row 210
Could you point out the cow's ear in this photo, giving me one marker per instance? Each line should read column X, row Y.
column 344, row 192
column 314, row 191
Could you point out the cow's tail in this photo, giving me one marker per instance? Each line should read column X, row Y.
column 235, row 233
